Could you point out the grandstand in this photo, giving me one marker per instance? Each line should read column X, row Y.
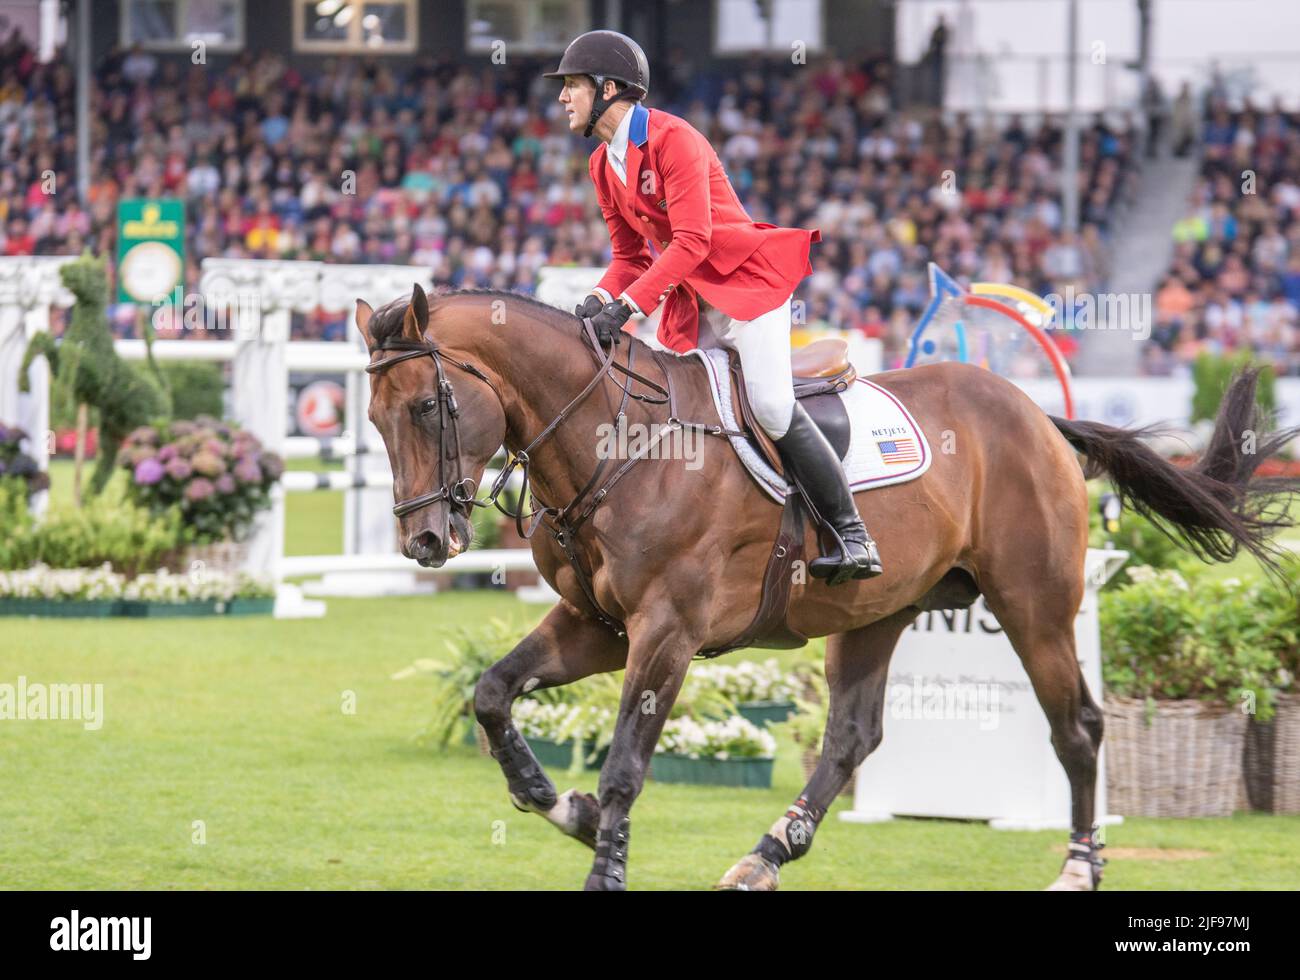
column 472, row 173
column 404, row 141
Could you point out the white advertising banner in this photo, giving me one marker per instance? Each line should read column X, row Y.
column 1140, row 401
column 964, row 735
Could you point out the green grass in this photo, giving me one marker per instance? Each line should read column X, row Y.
column 240, row 724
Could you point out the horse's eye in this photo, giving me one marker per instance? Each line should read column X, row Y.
column 428, row 406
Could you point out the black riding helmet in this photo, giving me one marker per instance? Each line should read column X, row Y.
column 605, row 56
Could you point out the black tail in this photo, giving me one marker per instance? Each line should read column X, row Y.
column 1213, row 508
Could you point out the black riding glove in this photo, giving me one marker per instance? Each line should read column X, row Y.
column 608, row 323
column 589, row 307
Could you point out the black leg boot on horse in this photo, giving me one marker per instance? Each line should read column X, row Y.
column 810, row 461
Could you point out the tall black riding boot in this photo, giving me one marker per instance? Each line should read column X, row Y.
column 810, row 461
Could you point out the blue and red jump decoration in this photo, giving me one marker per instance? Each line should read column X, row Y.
column 998, row 298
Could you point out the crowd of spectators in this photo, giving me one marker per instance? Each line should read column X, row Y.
column 472, row 173
column 1234, row 282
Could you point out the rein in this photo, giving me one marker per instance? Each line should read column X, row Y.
column 462, row 492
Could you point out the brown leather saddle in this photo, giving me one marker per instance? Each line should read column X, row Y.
column 821, row 371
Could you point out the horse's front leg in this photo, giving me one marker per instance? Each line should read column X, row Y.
column 566, row 646
column 658, row 656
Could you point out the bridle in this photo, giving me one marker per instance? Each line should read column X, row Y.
column 462, row 492
column 563, row 524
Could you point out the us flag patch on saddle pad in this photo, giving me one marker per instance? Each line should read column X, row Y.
column 897, row 451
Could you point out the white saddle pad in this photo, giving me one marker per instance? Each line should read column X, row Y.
column 886, row 446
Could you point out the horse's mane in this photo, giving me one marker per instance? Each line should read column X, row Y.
column 386, row 322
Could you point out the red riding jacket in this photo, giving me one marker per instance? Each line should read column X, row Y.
column 679, row 198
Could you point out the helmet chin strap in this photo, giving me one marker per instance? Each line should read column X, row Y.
column 599, row 103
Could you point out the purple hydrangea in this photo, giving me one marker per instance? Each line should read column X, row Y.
column 199, row 489
column 178, row 469
column 148, row 472
column 247, row 470
column 225, row 483
column 167, row 452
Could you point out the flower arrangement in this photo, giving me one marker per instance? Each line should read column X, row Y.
column 744, row 682
column 559, row 722
column 729, row 738
column 16, row 464
column 102, row 583
column 165, row 586
column 216, row 473
column 43, row 582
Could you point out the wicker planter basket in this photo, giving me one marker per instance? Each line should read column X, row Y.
column 1271, row 760
column 1186, row 763
column 220, row 556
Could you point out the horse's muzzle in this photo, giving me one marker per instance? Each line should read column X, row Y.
column 432, row 550
column 427, row 548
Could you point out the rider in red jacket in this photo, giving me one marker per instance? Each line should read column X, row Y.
column 662, row 187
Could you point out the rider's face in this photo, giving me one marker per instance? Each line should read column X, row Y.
column 576, row 96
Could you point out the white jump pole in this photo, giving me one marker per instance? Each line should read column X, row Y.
column 262, row 295
column 29, row 286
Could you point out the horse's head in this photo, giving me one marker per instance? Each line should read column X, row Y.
column 440, row 421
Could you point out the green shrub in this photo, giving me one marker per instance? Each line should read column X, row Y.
column 104, row 530
column 468, row 652
column 1169, row 636
column 1212, row 372
column 196, row 386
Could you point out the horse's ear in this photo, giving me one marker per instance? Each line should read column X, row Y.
column 416, row 320
column 364, row 313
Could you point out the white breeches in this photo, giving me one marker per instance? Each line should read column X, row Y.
column 764, row 347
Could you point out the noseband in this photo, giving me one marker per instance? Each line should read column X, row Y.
column 462, row 490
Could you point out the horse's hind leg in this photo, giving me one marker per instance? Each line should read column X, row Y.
column 564, row 647
column 1038, row 617
column 857, row 666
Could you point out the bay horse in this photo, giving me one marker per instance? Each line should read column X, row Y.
column 670, row 564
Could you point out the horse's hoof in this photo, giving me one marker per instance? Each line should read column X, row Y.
column 604, row 883
column 577, row 815
column 1076, row 876
column 752, row 873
